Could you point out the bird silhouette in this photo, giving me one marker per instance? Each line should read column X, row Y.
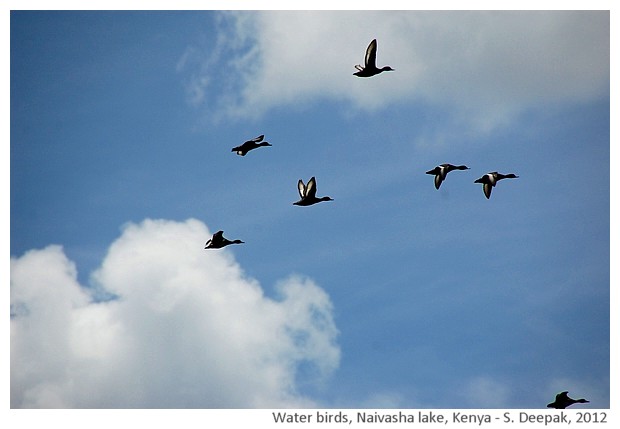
column 308, row 193
column 562, row 400
column 442, row 170
column 370, row 66
column 489, row 180
column 217, row 241
column 250, row 145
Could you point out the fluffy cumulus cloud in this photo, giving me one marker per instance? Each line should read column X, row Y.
column 188, row 328
column 484, row 65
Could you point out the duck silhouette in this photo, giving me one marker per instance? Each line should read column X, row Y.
column 217, row 241
column 250, row 145
column 308, row 193
column 442, row 170
column 489, row 180
column 562, row 400
column 370, row 66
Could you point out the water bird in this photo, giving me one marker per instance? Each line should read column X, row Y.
column 308, row 193
column 562, row 400
column 489, row 180
column 370, row 66
column 250, row 144
column 441, row 171
column 217, row 241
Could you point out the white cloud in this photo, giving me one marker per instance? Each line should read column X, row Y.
column 486, row 66
column 189, row 329
column 486, row 392
column 386, row 400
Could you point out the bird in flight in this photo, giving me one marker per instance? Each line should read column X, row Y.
column 441, row 171
column 370, row 66
column 217, row 241
column 250, row 144
column 307, row 193
column 489, row 180
column 562, row 400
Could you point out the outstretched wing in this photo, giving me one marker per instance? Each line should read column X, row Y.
column 215, row 241
column 563, row 396
column 258, row 139
column 438, row 180
column 371, row 54
column 301, row 188
column 311, row 188
column 487, row 188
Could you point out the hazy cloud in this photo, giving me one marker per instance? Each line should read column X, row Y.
column 486, row 392
column 189, row 329
column 486, row 66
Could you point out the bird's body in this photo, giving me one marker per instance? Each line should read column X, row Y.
column 217, row 241
column 250, row 145
column 489, row 180
column 307, row 193
column 562, row 400
column 442, row 170
column 370, row 63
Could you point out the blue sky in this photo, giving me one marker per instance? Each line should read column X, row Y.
column 395, row 294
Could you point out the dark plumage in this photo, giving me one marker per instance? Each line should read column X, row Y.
column 370, row 66
column 249, row 145
column 489, row 180
column 308, row 193
column 218, row 241
column 441, row 171
column 562, row 401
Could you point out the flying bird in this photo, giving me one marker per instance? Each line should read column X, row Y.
column 441, row 171
column 562, row 401
column 250, row 144
column 308, row 193
column 217, row 241
column 489, row 180
column 370, row 66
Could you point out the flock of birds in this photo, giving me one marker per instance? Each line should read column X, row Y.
column 307, row 192
column 488, row 181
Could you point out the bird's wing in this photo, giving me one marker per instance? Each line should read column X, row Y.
column 487, row 187
column 311, row 188
column 258, row 139
column 218, row 235
column 561, row 396
column 371, row 54
column 438, row 180
column 301, row 188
